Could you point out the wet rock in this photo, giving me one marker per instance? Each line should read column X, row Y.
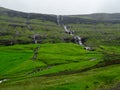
column 87, row 48
column 93, row 59
column 1, row 81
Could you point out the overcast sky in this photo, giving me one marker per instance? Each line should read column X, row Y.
column 63, row 7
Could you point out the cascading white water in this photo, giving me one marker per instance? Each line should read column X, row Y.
column 79, row 40
column 30, row 28
column 68, row 31
column 65, row 28
column 34, row 38
column 58, row 19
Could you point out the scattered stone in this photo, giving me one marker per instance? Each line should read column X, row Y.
column 1, row 81
column 87, row 48
column 93, row 59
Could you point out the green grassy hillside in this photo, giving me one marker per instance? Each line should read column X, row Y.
column 21, row 28
column 51, row 63
column 44, row 31
column 98, row 34
column 100, row 16
column 24, row 28
column 57, row 67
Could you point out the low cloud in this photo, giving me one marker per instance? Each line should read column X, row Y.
column 63, row 7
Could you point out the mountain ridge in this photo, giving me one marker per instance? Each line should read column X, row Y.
column 92, row 16
column 22, row 28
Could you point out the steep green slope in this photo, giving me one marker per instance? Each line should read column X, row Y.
column 23, row 28
column 98, row 34
column 18, row 27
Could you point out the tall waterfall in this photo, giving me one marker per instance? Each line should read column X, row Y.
column 78, row 39
column 65, row 28
column 30, row 28
column 58, row 19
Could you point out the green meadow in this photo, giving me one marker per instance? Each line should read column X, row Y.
column 56, row 61
column 61, row 66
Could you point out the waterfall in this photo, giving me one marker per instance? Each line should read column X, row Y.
column 30, row 28
column 34, row 38
column 79, row 40
column 66, row 30
column 58, row 19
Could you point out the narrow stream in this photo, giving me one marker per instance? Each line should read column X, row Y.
column 78, row 39
column 30, row 28
column 58, row 19
column 34, row 38
column 66, row 30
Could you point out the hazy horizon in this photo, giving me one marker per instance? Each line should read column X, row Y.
column 63, row 7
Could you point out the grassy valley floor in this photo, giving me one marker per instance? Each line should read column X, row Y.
column 62, row 66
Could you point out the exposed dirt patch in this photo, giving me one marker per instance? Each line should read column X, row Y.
column 117, row 87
